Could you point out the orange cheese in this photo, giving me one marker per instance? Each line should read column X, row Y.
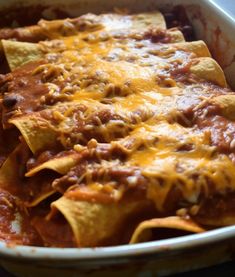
column 117, row 68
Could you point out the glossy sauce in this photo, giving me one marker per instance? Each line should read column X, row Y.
column 143, row 126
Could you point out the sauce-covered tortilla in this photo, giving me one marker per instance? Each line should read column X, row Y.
column 114, row 130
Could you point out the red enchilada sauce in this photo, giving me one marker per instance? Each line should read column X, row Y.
column 15, row 226
column 22, row 92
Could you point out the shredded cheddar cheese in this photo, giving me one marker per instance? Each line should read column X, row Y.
column 133, row 121
column 107, row 70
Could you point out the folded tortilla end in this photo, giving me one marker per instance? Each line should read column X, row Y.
column 143, row 231
column 18, row 53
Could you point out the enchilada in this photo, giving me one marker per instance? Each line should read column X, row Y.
column 120, row 128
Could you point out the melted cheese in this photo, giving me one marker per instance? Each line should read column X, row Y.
column 111, row 68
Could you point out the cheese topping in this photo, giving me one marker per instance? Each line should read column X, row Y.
column 119, row 84
column 126, row 114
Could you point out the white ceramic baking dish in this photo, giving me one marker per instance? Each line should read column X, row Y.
column 145, row 259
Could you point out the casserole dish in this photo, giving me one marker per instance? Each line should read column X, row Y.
column 170, row 246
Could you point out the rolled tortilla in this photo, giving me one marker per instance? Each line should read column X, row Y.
column 59, row 164
column 143, row 231
column 208, row 69
column 142, row 21
column 37, row 132
column 176, row 36
column 30, row 191
column 96, row 223
column 227, row 105
column 197, row 47
column 19, row 53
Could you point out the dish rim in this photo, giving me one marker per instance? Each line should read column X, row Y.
column 121, row 251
